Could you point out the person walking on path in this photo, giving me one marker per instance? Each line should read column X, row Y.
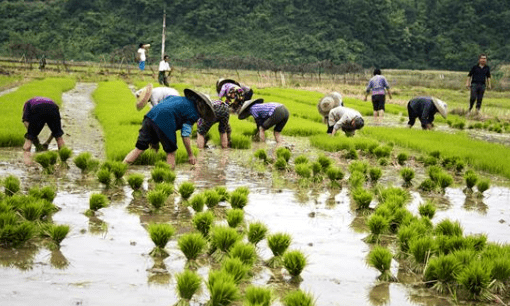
column 425, row 108
column 37, row 112
column 479, row 78
column 164, row 71
column 347, row 119
column 222, row 113
column 163, row 120
column 266, row 115
column 142, row 56
column 379, row 86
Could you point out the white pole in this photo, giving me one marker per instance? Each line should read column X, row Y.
column 163, row 35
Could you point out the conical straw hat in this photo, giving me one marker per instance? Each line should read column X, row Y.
column 222, row 81
column 441, row 106
column 143, row 96
column 203, row 103
column 326, row 104
column 243, row 112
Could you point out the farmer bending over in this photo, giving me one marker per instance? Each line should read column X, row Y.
column 266, row 115
column 232, row 91
column 425, row 108
column 347, row 119
column 156, row 95
column 37, row 112
column 222, row 117
column 327, row 103
column 163, row 120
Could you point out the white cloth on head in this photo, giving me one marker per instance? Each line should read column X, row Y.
column 160, row 93
column 341, row 115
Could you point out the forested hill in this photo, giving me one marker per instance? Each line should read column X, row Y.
column 444, row 34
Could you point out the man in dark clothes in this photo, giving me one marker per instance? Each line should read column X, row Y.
column 478, row 78
column 425, row 108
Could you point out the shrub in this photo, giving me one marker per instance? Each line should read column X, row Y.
column 402, row 157
column 203, row 222
column 135, row 180
column 197, row 202
column 256, row 232
column 186, row 189
column 97, row 201
column 294, row 262
column 192, row 245
column 235, row 217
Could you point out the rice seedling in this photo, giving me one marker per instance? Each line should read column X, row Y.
column 192, row 245
column 427, row 209
column 360, row 166
column 316, row 168
column 449, row 244
column 433, row 172
column 160, row 175
column 301, row 159
column 238, row 199
column 235, row 267
column 256, row 232
column 378, row 225
column 240, row 142
column 471, row 178
column 17, row 234
column 166, row 188
column 441, row 271
column 351, row 154
column 104, row 176
column 407, row 174
column 476, row 278
column 294, row 262
column 356, row 180
column 465, row 256
column 422, row 248
column 83, row 162
column 278, row 243
column 429, row 161
column 156, row 198
column 64, row 153
column 334, row 173
column 374, row 173
column 211, row 197
column 258, row 296
column 12, row 185
column 382, row 151
column 448, row 228
column 284, row 153
column 162, row 164
column 135, row 181
column 380, row 258
column 482, row 185
column 383, row 161
column 261, row 154
column 499, row 273
column 436, row 154
column 280, row 164
column 402, row 157
column 298, row 298
column 325, row 161
column 444, row 180
column 245, row 252
column 188, row 283
column 32, row 210
column 235, row 217
column 222, row 288
column 203, row 222
column 160, row 234
column 223, row 238
column 476, row 242
column 222, row 191
column 57, row 233
column 460, row 165
column 303, row 170
column 186, row 189
column 97, row 201
column 118, row 169
column 405, row 235
column 362, row 198
column 43, row 159
column 52, row 157
column 197, row 202
column 427, row 185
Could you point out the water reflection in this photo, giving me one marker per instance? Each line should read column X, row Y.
column 21, row 258
column 210, row 170
column 475, row 203
column 97, row 226
column 379, row 294
column 158, row 274
column 58, row 260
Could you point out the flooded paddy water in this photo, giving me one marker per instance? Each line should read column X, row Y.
column 105, row 259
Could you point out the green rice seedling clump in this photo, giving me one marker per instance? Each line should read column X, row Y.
column 243, row 190
column 303, row 170
column 375, row 174
column 223, row 238
column 135, row 181
column 156, row 198
column 356, row 180
column 362, row 198
column 222, row 288
column 64, row 153
column 235, row 217
column 104, row 176
column 434, row 172
column 441, row 272
column 422, row 248
column 160, row 175
column 380, row 258
column 407, row 174
column 325, row 161
column 278, row 243
column 316, row 168
column 236, row 268
column 427, row 185
column 212, row 198
column 499, row 272
column 382, row 151
column 197, row 202
column 448, row 228
column 97, row 201
column 335, row 173
column 188, row 283
column 471, row 178
column 402, row 157
column 436, row 154
column 298, row 298
column 360, row 166
column 294, row 262
column 284, row 153
column 261, row 154
column 256, row 232
column 280, row 164
column 53, row 157
column 378, row 225
column 245, row 252
column 477, row 242
column 444, row 180
column 240, row 142
column 383, row 161
column 43, row 159
column 429, row 161
column 17, row 234
column 427, row 209
column 166, row 188
column 405, row 234
column 351, row 154
column 82, row 161
column 118, row 169
column 301, row 159
column 238, row 199
column 482, row 185
column 475, row 278
column 192, row 245
column 186, row 189
column 203, row 222
column 161, row 164
column 259, row 296
column 12, row 185
column 57, row 233
column 160, row 234
column 32, row 210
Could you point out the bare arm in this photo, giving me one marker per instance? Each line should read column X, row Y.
column 489, row 83
column 389, row 92
column 468, row 82
column 187, row 144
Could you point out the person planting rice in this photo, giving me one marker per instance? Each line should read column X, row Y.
column 156, row 95
column 425, row 108
column 327, row 103
column 347, row 119
column 379, row 86
column 266, row 115
column 37, row 112
column 222, row 117
column 163, row 120
column 232, row 91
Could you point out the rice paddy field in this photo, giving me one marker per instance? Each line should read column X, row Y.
column 391, row 216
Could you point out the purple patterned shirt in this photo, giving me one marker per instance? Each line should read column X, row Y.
column 33, row 102
column 226, row 88
column 377, row 84
column 262, row 111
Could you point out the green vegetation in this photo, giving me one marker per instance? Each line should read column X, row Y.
column 256, row 232
column 203, row 222
column 160, row 234
column 135, row 180
column 188, row 283
column 97, row 201
column 294, row 262
column 380, row 258
column 192, row 245
column 186, row 189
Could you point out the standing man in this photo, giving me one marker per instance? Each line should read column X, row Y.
column 141, row 55
column 379, row 85
column 164, row 67
column 478, row 79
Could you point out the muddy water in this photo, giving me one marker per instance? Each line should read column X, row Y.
column 104, row 260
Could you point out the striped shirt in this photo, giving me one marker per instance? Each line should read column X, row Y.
column 377, row 84
column 226, row 88
column 262, row 111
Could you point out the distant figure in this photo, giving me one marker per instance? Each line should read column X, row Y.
column 266, row 115
column 425, row 108
column 233, row 93
column 327, row 103
column 155, row 95
column 164, row 70
column 346, row 119
column 379, row 86
column 478, row 78
column 163, row 120
column 37, row 112
column 222, row 113
column 142, row 56
column 42, row 63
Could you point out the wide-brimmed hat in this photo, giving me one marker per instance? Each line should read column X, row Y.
column 142, row 96
column 222, row 81
column 244, row 111
column 441, row 106
column 338, row 98
column 325, row 104
column 203, row 103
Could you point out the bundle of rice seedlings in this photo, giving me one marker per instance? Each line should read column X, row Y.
column 97, row 201
column 294, row 262
column 166, row 188
column 301, row 159
column 235, row 217
column 382, row 151
column 471, row 178
column 436, row 154
column 186, row 189
column 433, row 172
column 448, row 228
column 325, row 161
column 303, row 170
column 383, row 161
column 203, row 222
column 427, row 185
column 499, row 273
column 361, row 166
column 156, row 198
column 407, row 174
column 235, row 267
column 118, row 169
column 212, row 198
column 245, row 252
column 465, row 256
column 104, row 176
column 380, row 258
column 405, row 235
column 222, row 288
column 261, row 154
column 378, row 225
column 243, row 190
column 12, row 185
column 188, row 283
column 17, row 234
column 160, row 234
column 284, row 153
column 335, row 173
column 402, row 157
column 298, row 298
column 482, row 185
column 197, row 202
column 374, row 173
column 222, row 191
column 53, row 157
column 240, row 142
column 427, row 209
column 64, row 153
column 223, row 238
column 422, row 248
column 444, row 180
column 57, row 233
column 135, row 181
column 280, row 164
column 32, row 210
column 449, row 244
column 238, row 199
column 163, row 165
column 192, row 245
column 441, row 271
column 362, row 198
column 351, row 153
column 82, row 161
column 256, row 232
column 43, row 159
column 356, row 180
column 476, row 279
column 316, row 168
column 278, row 243
column 477, row 242
column 160, row 175
column 429, row 161
column 258, row 296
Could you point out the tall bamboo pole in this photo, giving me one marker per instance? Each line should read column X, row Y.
column 163, row 35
